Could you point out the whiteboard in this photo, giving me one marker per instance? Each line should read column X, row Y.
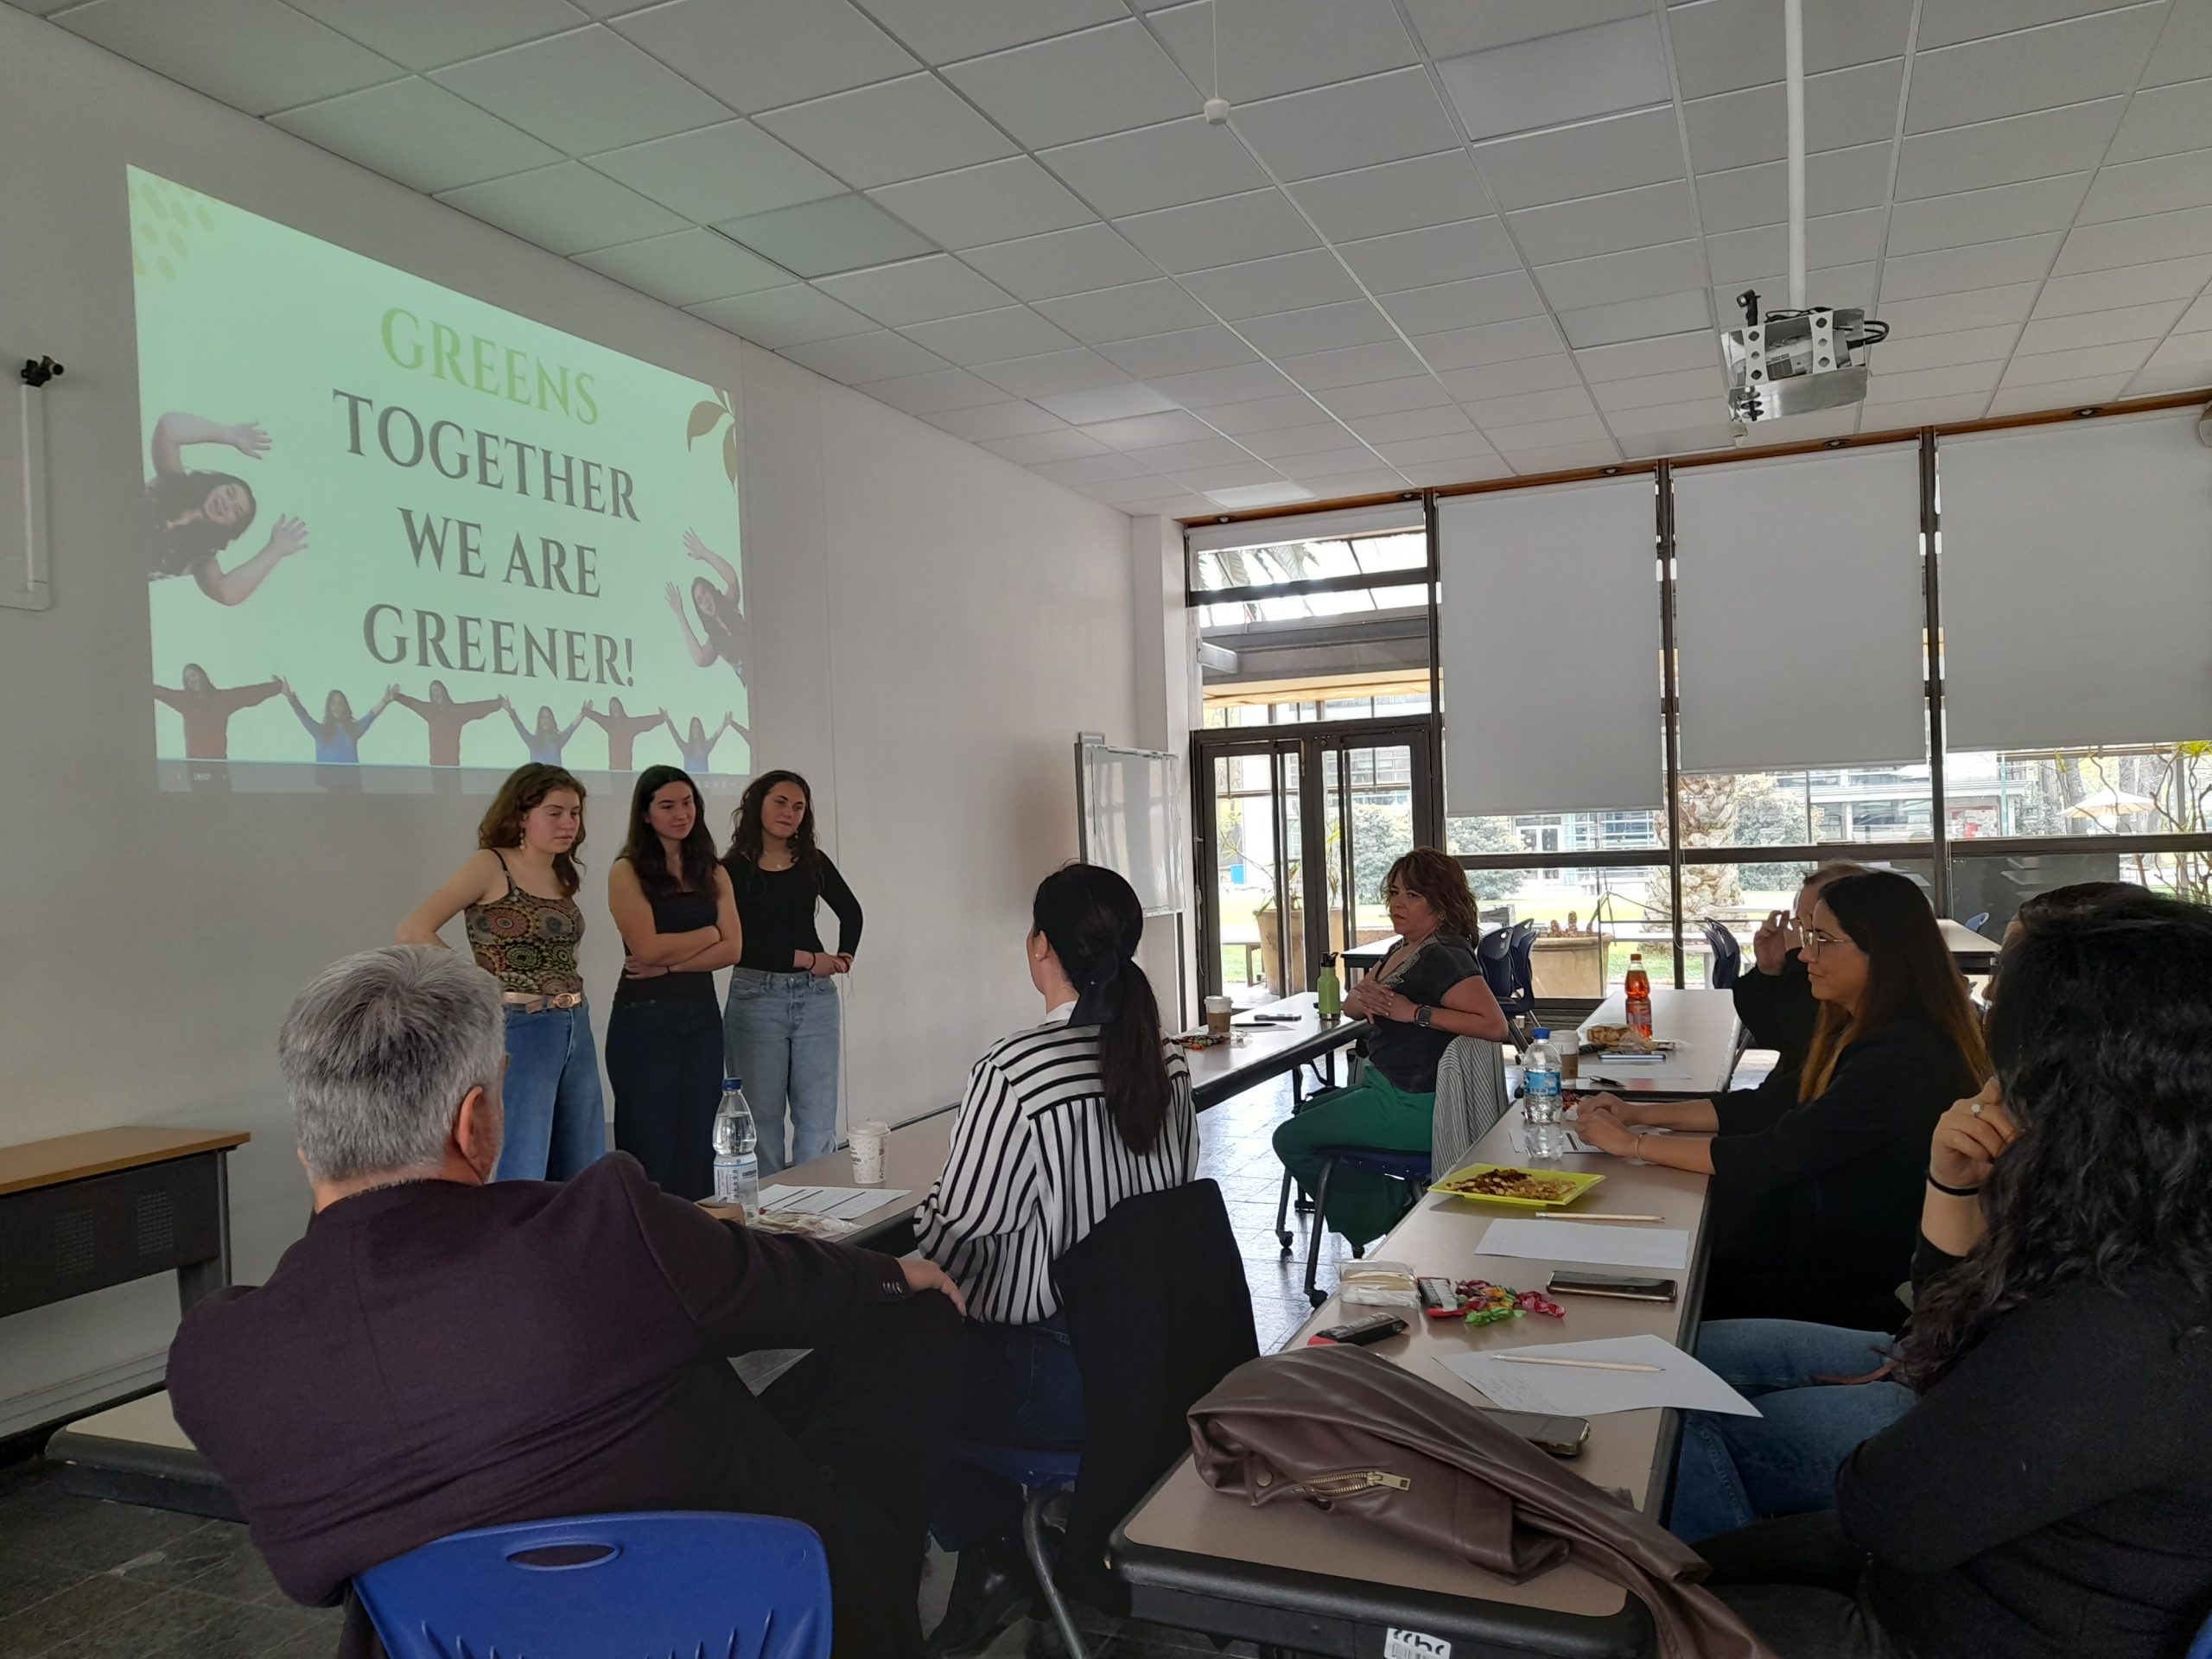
column 1130, row 815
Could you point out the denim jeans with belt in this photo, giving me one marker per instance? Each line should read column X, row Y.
column 781, row 1031
column 1733, row 1471
column 555, row 1113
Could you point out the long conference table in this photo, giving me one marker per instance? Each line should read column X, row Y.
column 135, row 1453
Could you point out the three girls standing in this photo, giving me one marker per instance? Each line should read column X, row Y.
column 681, row 915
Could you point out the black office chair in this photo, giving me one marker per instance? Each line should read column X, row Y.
column 1727, row 957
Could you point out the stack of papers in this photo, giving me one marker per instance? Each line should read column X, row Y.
column 838, row 1202
column 1593, row 1243
column 1677, row 1380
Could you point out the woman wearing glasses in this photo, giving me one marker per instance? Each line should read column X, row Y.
column 1430, row 990
column 1814, row 1198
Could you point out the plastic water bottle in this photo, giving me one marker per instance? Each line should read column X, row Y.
column 1541, row 1107
column 737, row 1165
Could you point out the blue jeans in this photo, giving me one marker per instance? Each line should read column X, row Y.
column 556, row 1116
column 781, row 1031
column 1020, row 1386
column 1734, row 1470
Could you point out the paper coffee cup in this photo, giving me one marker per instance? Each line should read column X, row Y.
column 1218, row 1010
column 868, row 1152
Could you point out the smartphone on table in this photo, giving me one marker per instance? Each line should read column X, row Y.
column 1611, row 1284
column 1563, row 1437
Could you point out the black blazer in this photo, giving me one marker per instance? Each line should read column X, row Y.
column 1779, row 1011
column 432, row 1356
column 1815, row 1208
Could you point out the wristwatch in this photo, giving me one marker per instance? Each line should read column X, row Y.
column 1420, row 1017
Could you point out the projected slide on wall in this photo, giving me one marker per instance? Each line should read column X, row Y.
column 393, row 532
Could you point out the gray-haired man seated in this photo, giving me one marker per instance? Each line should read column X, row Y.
column 439, row 1353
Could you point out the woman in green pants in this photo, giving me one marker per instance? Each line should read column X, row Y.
column 1429, row 991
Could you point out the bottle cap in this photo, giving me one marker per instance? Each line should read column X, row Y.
column 1542, row 1032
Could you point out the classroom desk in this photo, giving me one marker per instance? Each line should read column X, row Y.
column 1292, row 1577
column 1703, row 1022
column 1269, row 1050
column 80, row 1212
column 913, row 1157
column 1975, row 953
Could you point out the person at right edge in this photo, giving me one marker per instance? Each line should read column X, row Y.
column 2049, row 1493
column 781, row 1028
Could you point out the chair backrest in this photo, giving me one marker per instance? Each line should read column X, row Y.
column 1727, row 957
column 739, row 1587
column 1524, row 956
column 2201, row 1648
column 1158, row 1312
column 1471, row 1098
column 1977, row 921
column 1494, row 956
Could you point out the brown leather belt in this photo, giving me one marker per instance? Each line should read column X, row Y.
column 528, row 1003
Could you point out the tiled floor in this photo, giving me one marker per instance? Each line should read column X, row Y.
column 85, row 1579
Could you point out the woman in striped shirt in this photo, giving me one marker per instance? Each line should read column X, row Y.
column 1061, row 1122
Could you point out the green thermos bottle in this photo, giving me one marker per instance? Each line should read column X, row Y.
column 1332, row 994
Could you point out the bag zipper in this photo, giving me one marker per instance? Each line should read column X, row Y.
column 1352, row 1481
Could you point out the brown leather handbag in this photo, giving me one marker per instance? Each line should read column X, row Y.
column 1348, row 1432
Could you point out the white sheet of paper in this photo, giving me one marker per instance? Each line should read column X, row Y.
column 1575, row 1392
column 1575, row 1143
column 1611, row 1244
column 844, row 1202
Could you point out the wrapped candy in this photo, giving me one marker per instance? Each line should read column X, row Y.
column 1483, row 1303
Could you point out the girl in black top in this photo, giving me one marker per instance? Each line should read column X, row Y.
column 678, row 921
column 782, row 1027
column 2050, row 1494
column 1813, row 1199
column 1428, row 991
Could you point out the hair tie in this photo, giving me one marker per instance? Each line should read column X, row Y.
column 1103, row 993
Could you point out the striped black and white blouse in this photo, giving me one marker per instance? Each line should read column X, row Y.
column 1036, row 1163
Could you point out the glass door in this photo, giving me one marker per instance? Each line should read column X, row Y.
column 1295, row 831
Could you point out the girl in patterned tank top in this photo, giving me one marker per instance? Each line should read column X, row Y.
column 518, row 890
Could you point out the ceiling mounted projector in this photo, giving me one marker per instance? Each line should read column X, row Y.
column 1795, row 362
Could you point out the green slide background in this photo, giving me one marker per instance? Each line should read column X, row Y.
column 241, row 319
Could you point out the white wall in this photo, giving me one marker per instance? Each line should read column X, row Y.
column 931, row 628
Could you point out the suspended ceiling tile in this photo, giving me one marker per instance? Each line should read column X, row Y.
column 2162, row 120
column 586, row 91
column 1319, row 328
column 1228, row 231
column 985, row 422
column 2107, row 290
column 1356, row 123
column 761, row 55
column 564, row 208
column 1436, row 253
column 428, row 33
column 1288, row 448
column 1836, row 181
column 1495, row 342
column 1605, row 325
column 946, row 31
column 1643, row 217
column 1450, row 306
column 1946, row 23
column 2185, row 51
column 1403, row 425
column 1325, row 372
column 1052, row 373
column 889, row 132
column 1564, row 458
column 1830, row 240
column 1290, row 281
column 1124, row 312
column 1638, row 274
column 993, row 336
column 1617, row 153
column 1168, row 166
column 1178, row 459
column 1542, row 435
column 686, row 267
column 1690, row 413
column 1488, row 380
column 1241, row 384
column 996, row 202
column 1283, row 46
column 1372, row 202
column 2044, row 68
column 1980, row 264
column 1387, row 396
column 2134, row 242
column 1076, row 86
column 877, row 355
column 915, row 290
column 419, row 134
column 1724, row 46
column 1990, row 344
column 781, row 317
column 713, row 174
column 1092, row 469
column 2065, row 394
column 1926, row 412
column 1449, row 28
column 2070, row 140
column 202, row 44
column 1151, row 431
column 1521, row 408
column 1061, row 442
column 1947, row 314
column 1559, row 77
column 837, row 234
column 2162, row 184
column 1265, row 415
column 1062, row 262
column 1843, row 108
column 1949, row 381
column 939, row 389
column 2079, row 362
column 1182, row 350
column 1635, row 359
column 2148, row 322
column 1646, row 392
column 1991, row 215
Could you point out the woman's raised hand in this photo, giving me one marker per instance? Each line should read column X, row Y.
column 248, row 439
column 1970, row 1138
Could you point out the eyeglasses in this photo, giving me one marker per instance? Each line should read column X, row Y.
column 1811, row 941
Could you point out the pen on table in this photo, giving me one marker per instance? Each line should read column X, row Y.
column 1583, row 1364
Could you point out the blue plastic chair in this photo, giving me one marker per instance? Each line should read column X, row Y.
column 1727, row 957
column 1523, row 954
column 1494, row 956
column 1411, row 1168
column 738, row 1586
column 2201, row 1648
column 1043, row 1475
column 1974, row 925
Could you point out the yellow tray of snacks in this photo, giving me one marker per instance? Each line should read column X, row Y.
column 1509, row 1184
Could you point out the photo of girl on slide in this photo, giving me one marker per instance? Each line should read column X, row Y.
column 337, row 734
column 193, row 515
column 207, row 709
column 698, row 746
column 445, row 718
column 721, row 610
column 550, row 737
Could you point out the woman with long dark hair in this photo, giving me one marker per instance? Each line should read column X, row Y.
column 338, row 734
column 518, row 892
column 2049, row 1495
column 1812, row 1202
column 194, row 515
column 720, row 610
column 1061, row 1122
column 678, row 919
column 781, row 1028
column 1427, row 991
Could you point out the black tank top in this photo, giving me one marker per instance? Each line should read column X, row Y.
column 674, row 912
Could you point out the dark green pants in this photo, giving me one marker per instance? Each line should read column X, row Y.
column 1376, row 1113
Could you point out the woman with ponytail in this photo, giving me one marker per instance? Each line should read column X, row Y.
column 1060, row 1123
